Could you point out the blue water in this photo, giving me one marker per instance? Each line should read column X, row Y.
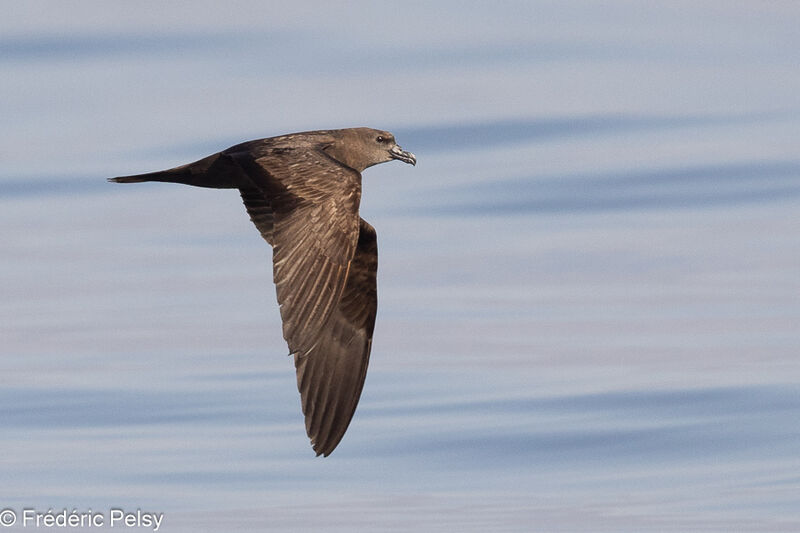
column 589, row 294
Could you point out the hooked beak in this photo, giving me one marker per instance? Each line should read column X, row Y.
column 406, row 157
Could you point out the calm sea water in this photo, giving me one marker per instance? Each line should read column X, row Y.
column 589, row 297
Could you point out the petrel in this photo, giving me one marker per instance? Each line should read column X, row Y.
column 302, row 191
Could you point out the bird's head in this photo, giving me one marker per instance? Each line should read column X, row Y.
column 360, row 148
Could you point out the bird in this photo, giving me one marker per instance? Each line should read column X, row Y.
column 302, row 192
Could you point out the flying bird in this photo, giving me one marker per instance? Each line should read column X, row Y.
column 302, row 192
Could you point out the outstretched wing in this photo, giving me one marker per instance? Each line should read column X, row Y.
column 324, row 266
column 331, row 376
column 308, row 211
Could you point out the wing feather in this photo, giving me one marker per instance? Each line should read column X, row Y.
column 313, row 203
column 330, row 379
column 260, row 211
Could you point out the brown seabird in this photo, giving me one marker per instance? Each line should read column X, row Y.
column 302, row 191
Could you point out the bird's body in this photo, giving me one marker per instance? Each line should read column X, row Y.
column 302, row 191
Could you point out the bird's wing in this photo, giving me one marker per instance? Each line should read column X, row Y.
column 331, row 376
column 306, row 205
column 260, row 211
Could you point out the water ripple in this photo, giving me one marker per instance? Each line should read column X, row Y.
column 664, row 188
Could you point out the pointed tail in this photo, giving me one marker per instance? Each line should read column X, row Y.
column 137, row 179
column 218, row 171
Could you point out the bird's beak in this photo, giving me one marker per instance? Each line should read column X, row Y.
column 406, row 157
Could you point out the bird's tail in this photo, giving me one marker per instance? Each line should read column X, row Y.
column 218, row 171
column 138, row 178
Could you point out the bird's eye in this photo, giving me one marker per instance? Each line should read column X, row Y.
column 380, row 139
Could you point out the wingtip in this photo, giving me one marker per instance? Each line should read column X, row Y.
column 323, row 449
column 319, row 450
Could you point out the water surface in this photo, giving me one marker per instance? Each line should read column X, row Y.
column 588, row 291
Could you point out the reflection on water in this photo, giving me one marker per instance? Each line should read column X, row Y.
column 588, row 288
